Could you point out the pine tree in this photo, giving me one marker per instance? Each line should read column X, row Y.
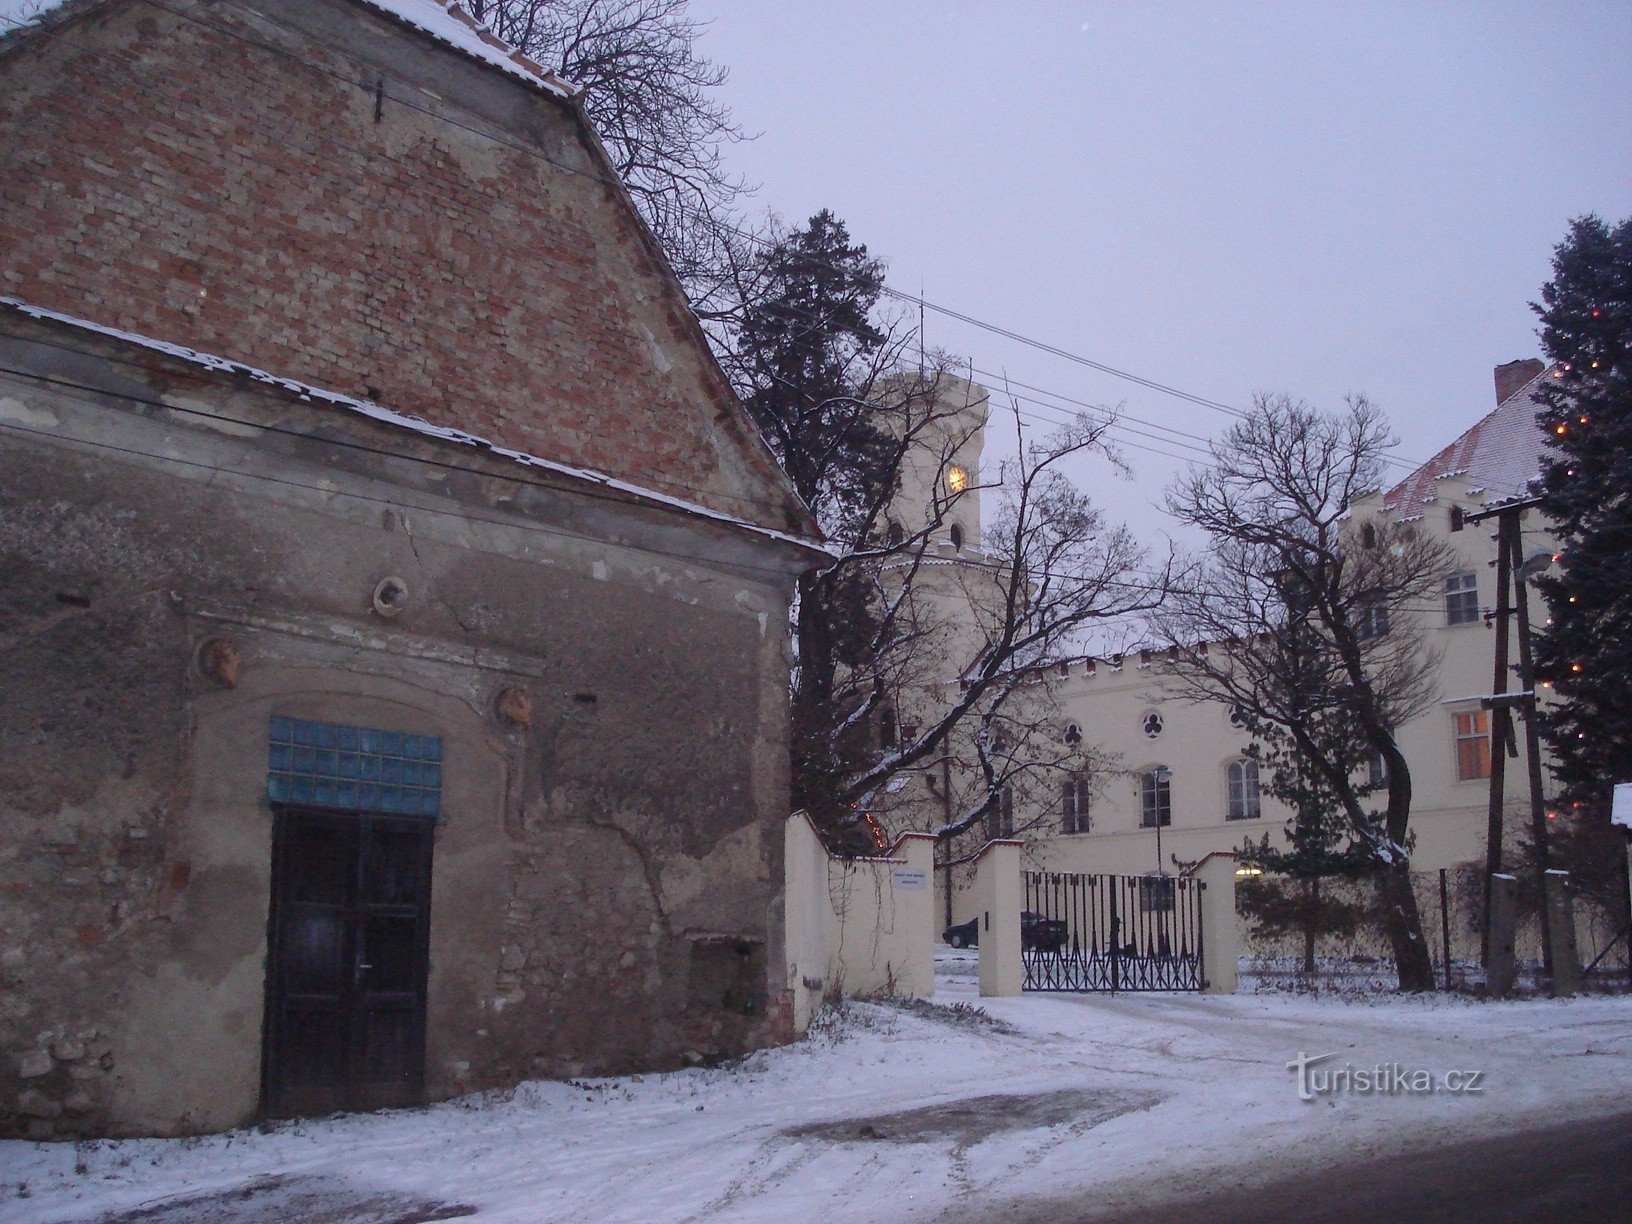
column 1585, row 651
column 1323, row 848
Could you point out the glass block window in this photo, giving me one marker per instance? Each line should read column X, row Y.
column 329, row 765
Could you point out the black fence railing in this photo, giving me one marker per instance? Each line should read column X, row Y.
column 1112, row 932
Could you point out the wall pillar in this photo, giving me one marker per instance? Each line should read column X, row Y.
column 804, row 899
column 1560, row 919
column 1221, row 933
column 1502, row 966
column 998, row 901
column 914, row 890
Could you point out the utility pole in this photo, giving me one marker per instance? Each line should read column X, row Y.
column 1512, row 603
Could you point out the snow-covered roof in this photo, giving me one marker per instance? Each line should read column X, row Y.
column 1499, row 456
column 449, row 23
column 443, row 20
column 367, row 408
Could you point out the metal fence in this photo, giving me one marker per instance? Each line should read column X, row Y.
column 1111, row 932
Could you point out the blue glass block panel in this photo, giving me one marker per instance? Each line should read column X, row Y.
column 353, row 768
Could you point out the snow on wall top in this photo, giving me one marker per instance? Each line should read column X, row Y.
column 448, row 23
column 367, row 408
column 1500, row 455
column 443, row 20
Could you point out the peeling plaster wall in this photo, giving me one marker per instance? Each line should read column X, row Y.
column 589, row 870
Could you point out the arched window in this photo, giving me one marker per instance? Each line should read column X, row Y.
column 1074, row 816
column 1246, row 802
column 896, row 535
column 957, row 536
column 1156, row 797
column 887, row 736
column 1368, row 536
column 1457, row 519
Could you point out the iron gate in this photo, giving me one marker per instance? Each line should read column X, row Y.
column 1111, row 932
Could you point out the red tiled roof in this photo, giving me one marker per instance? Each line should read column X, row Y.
column 1497, row 458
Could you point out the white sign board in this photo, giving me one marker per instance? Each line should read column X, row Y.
column 908, row 877
column 1621, row 812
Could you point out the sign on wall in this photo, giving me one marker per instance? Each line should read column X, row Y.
column 908, row 877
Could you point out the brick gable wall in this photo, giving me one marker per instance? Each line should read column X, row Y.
column 221, row 179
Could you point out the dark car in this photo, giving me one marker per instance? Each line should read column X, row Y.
column 1037, row 934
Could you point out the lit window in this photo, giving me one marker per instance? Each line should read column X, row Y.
column 1473, row 745
column 1075, row 816
column 957, row 479
column 1462, row 599
column 1246, row 802
column 1156, row 797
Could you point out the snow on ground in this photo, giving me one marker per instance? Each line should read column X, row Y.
column 1123, row 1100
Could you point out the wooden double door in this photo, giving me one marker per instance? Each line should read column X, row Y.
column 347, row 960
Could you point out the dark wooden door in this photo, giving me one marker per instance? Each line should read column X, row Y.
column 346, row 962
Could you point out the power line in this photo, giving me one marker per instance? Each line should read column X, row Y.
column 755, row 239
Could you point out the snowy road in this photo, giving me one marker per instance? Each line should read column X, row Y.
column 1111, row 1103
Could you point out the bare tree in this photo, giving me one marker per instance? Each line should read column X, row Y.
column 652, row 99
column 992, row 743
column 1301, row 619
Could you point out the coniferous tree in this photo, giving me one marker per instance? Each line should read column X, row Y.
column 1322, row 850
column 1585, row 650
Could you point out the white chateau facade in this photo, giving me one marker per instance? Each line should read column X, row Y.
column 1174, row 783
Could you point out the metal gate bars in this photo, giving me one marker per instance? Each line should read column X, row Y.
column 1121, row 932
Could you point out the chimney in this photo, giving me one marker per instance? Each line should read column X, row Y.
column 1513, row 375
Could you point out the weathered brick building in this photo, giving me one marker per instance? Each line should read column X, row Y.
column 393, row 595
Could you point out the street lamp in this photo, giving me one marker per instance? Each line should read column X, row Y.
column 1163, row 776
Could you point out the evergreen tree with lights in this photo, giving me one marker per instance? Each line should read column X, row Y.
column 1585, row 651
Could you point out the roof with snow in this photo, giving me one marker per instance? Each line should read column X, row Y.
column 375, row 412
column 442, row 20
column 1497, row 458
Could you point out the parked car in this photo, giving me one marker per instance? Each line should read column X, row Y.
column 1037, row 934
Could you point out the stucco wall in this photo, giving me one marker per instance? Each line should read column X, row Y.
column 585, row 866
column 857, row 927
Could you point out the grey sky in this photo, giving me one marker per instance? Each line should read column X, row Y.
column 1224, row 198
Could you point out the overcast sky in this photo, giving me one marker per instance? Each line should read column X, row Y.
column 1223, row 198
